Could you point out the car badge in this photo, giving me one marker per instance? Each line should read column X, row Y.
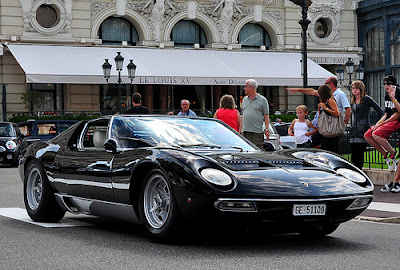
column 304, row 184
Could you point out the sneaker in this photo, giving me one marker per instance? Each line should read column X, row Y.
column 391, row 164
column 396, row 188
column 387, row 187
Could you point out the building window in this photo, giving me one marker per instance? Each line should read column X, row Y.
column 375, row 48
column 252, row 36
column 47, row 16
column 188, row 33
column 395, row 46
column 115, row 30
column 322, row 28
column 52, row 97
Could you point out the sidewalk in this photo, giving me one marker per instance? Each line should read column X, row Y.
column 384, row 208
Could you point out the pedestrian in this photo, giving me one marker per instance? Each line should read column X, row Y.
column 390, row 82
column 185, row 104
column 300, row 128
column 278, row 122
column 255, row 112
column 341, row 100
column 228, row 113
column 137, row 107
column 378, row 135
column 327, row 104
column 360, row 106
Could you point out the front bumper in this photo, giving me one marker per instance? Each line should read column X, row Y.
column 8, row 157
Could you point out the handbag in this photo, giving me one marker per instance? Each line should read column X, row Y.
column 330, row 126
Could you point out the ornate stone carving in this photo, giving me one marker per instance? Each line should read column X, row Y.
column 31, row 25
column 95, row 8
column 326, row 9
column 276, row 15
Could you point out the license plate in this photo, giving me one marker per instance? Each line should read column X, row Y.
column 309, row 209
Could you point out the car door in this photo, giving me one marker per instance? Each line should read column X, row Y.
column 87, row 169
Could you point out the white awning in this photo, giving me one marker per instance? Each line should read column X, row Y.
column 83, row 65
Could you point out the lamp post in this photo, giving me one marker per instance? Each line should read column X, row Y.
column 304, row 22
column 349, row 70
column 119, row 61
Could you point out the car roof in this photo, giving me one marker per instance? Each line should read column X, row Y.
column 48, row 121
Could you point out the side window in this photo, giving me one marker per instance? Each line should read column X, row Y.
column 17, row 130
column 94, row 136
column 65, row 126
column 47, row 129
column 26, row 129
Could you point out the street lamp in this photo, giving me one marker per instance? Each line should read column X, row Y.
column 304, row 22
column 349, row 70
column 119, row 61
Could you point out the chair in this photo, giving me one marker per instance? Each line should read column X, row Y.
column 99, row 137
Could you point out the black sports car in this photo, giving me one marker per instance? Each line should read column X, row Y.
column 167, row 171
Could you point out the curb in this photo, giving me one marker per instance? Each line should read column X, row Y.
column 395, row 220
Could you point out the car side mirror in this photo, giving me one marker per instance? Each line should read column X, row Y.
column 268, row 146
column 111, row 145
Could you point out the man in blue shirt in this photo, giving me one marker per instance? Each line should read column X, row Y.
column 185, row 108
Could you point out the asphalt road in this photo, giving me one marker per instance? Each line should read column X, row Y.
column 108, row 244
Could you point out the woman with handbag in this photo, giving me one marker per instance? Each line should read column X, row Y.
column 330, row 122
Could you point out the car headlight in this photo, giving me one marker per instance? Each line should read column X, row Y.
column 11, row 145
column 216, row 177
column 352, row 175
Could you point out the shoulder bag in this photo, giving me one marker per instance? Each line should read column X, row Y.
column 330, row 126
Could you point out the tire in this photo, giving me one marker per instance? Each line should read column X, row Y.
column 15, row 160
column 40, row 202
column 319, row 231
column 160, row 216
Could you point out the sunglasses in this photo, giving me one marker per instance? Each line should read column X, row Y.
column 385, row 83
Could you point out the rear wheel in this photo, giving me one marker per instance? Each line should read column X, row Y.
column 159, row 213
column 39, row 199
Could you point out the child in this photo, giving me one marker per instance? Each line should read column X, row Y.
column 300, row 128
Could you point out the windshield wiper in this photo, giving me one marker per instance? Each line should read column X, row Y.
column 201, row 145
column 236, row 147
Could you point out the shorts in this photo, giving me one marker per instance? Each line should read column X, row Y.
column 384, row 131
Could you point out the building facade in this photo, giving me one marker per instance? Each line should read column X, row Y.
column 379, row 36
column 197, row 50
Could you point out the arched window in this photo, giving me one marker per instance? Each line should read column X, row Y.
column 375, row 48
column 187, row 33
column 252, row 36
column 115, row 30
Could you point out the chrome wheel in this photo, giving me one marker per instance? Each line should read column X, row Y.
column 34, row 188
column 157, row 201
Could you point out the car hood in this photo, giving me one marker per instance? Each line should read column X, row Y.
column 281, row 174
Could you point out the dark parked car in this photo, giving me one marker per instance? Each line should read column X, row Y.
column 43, row 130
column 287, row 141
column 11, row 143
column 166, row 172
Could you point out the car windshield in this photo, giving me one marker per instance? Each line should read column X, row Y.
column 6, row 130
column 177, row 132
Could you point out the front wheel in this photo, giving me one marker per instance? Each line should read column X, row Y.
column 39, row 199
column 159, row 213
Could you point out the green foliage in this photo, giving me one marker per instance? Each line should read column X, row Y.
column 23, row 118
column 32, row 99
